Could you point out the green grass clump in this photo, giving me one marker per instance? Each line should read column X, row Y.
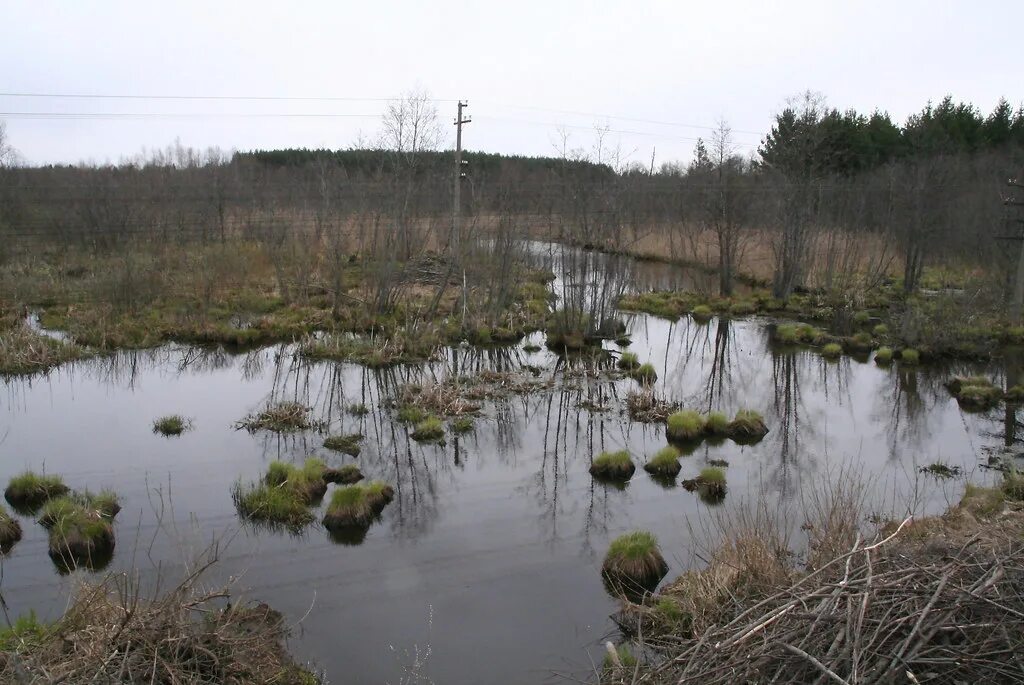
column 26, row 632
column 645, row 375
column 628, row 361
column 281, row 417
column 862, row 317
column 880, row 331
column 712, row 475
column 357, row 505
column 717, row 423
column 105, row 504
column 462, row 424
column 79, row 534
column 974, row 393
column 10, row 530
column 28, row 491
column 742, row 308
column 807, row 333
column 710, row 484
column 787, row 334
column 171, row 425
column 1015, row 394
column 883, row 355
column 613, row 466
column 623, row 656
column 747, row 426
column 1012, row 486
column 910, row 356
column 634, row 561
column 685, row 425
column 411, row 414
column 831, row 350
column 665, row 462
column 347, row 444
column 702, row 313
column 271, row 504
column 983, row 502
column 429, row 429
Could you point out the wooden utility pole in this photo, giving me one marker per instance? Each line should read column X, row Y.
column 1018, row 286
column 459, row 175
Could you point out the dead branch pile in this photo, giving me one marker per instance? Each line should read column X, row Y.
column 904, row 609
column 110, row 634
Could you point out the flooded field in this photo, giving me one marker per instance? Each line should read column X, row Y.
column 485, row 567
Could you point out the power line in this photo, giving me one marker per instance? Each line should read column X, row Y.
column 274, row 98
column 176, row 115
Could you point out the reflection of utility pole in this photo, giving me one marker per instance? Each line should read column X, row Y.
column 1018, row 286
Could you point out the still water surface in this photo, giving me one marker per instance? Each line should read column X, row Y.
column 486, row 565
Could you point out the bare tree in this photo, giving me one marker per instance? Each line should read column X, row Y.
column 8, row 155
column 724, row 206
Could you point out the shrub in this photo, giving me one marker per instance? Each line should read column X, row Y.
column 831, row 350
column 171, row 425
column 347, row 444
column 883, row 355
column 747, row 426
column 910, row 356
column 28, row 491
column 665, row 462
column 685, row 425
column 634, row 561
column 645, row 375
column 717, row 423
column 613, row 466
column 357, row 505
column 429, row 429
column 628, row 361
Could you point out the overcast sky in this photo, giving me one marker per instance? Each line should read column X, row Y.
column 654, row 72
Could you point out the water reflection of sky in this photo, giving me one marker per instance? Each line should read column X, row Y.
column 490, row 551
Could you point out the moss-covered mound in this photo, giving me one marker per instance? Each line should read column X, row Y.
column 28, row 491
column 634, row 563
column 613, row 466
column 685, row 425
column 10, row 530
column 664, row 463
column 747, row 427
column 974, row 393
column 347, row 444
column 357, row 505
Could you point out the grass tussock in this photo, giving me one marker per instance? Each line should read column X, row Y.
column 716, row 424
column 974, row 393
column 747, row 427
column 171, row 425
column 347, row 444
column 357, row 505
column 646, row 407
column 628, row 361
column 287, row 492
column 462, row 425
column 613, row 466
column 429, row 429
column 112, row 633
column 645, row 374
column 710, row 484
column 28, row 491
column 883, row 356
column 280, row 417
column 1015, row 394
column 702, row 313
column 10, row 530
column 685, row 425
column 910, row 357
column 664, row 463
column 400, row 346
column 634, row 563
column 832, row 350
column 80, row 530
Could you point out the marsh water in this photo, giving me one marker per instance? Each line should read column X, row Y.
column 485, row 568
